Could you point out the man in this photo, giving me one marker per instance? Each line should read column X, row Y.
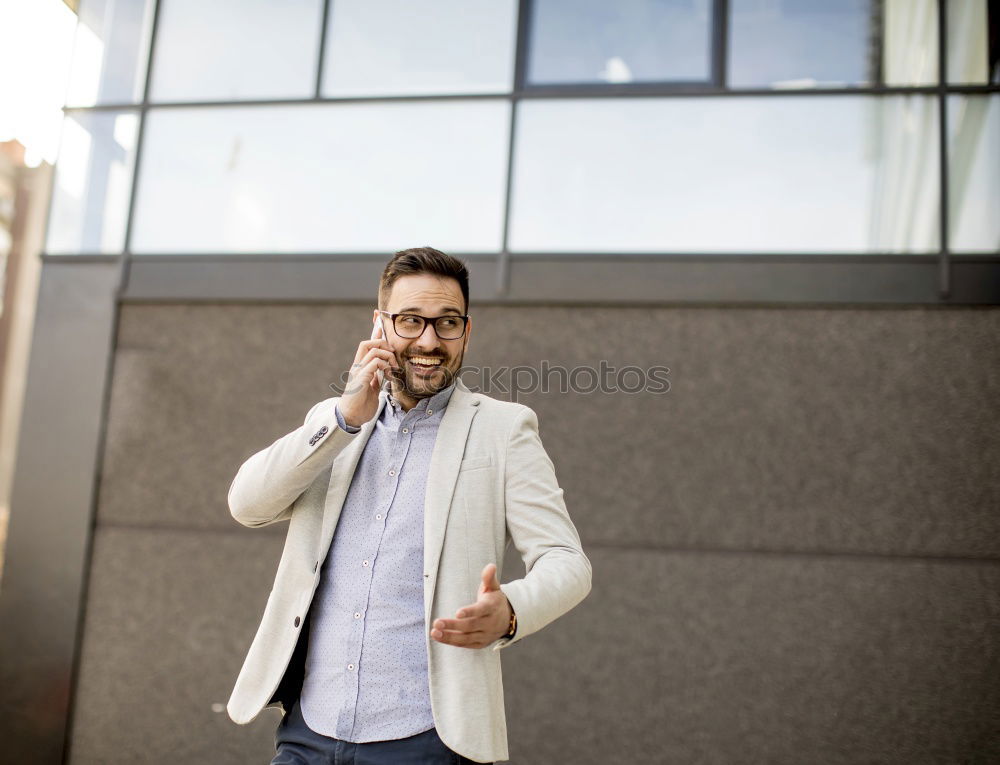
column 401, row 499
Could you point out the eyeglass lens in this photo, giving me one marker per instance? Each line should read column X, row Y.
column 447, row 327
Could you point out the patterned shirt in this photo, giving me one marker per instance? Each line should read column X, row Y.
column 366, row 665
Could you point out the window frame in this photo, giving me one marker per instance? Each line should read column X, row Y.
column 889, row 278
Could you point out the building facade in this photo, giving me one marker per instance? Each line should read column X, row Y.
column 791, row 206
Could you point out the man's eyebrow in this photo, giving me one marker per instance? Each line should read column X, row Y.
column 415, row 308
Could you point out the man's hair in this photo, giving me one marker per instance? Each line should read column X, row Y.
column 423, row 260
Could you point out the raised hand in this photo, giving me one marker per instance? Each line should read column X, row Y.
column 479, row 624
column 360, row 399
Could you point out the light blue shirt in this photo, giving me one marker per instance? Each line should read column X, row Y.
column 366, row 666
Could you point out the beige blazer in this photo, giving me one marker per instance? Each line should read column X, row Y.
column 490, row 483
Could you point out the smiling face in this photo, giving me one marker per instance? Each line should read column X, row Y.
column 431, row 296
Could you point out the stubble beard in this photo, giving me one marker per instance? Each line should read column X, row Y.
column 424, row 387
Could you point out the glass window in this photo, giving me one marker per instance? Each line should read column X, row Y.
column 974, row 173
column 578, row 41
column 236, row 49
column 93, row 182
column 398, row 47
column 110, row 52
column 910, row 42
column 775, row 174
column 832, row 43
column 972, row 24
column 325, row 178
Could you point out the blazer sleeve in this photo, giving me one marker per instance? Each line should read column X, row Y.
column 557, row 572
column 269, row 482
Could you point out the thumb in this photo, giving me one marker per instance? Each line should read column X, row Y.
column 490, row 582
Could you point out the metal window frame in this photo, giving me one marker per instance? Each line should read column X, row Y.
column 773, row 268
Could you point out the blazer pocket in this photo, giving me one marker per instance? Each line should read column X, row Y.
column 471, row 463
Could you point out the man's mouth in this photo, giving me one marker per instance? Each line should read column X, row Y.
column 424, row 365
column 425, row 361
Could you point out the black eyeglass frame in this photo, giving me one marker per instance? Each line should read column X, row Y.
column 433, row 322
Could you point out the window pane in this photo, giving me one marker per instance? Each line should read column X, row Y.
column 236, row 49
column 974, row 173
column 93, row 182
column 325, row 178
column 621, row 41
column 398, row 47
column 971, row 26
column 110, row 52
column 774, row 174
column 832, row 43
column 910, row 42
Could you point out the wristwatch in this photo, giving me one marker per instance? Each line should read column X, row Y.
column 513, row 625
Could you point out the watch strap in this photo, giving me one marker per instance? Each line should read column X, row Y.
column 513, row 626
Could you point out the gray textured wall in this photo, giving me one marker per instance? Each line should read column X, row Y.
column 796, row 550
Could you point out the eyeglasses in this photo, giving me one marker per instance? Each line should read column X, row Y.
column 411, row 326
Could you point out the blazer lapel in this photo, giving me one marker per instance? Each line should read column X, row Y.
column 442, row 476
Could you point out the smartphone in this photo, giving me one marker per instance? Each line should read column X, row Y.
column 378, row 332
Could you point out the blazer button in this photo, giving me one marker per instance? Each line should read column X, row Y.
column 297, row 621
column 315, row 566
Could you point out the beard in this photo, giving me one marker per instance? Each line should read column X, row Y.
column 419, row 387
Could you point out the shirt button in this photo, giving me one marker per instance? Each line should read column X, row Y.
column 350, row 666
column 406, row 430
column 364, row 563
column 357, row 614
column 378, row 517
column 430, row 411
column 392, row 472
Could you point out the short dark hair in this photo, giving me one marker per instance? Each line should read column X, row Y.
column 423, row 260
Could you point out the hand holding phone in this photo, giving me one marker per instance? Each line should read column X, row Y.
column 374, row 357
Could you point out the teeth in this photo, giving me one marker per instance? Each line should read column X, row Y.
column 425, row 361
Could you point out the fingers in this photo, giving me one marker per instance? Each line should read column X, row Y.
column 463, row 626
column 373, row 353
column 366, row 345
column 474, row 626
column 469, row 624
column 490, row 583
column 462, row 639
column 365, row 375
column 376, row 358
column 459, row 632
column 368, row 368
column 477, row 610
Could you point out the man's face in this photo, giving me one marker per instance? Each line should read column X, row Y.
column 430, row 296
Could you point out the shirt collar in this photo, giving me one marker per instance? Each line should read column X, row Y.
column 437, row 402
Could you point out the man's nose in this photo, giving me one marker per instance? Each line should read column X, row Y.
column 428, row 339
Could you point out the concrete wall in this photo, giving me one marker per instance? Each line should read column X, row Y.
column 796, row 550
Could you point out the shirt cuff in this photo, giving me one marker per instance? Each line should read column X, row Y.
column 343, row 425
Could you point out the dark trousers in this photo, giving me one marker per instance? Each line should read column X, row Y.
column 298, row 744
